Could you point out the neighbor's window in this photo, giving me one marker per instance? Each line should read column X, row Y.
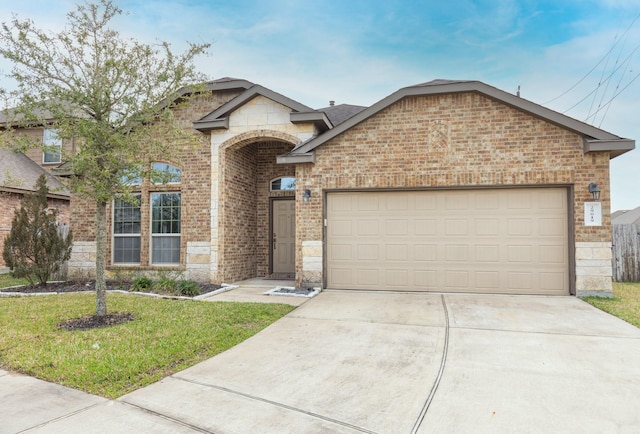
column 166, row 174
column 53, row 147
column 165, row 228
column 285, row 183
column 126, row 232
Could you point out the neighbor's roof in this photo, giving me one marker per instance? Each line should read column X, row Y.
column 18, row 173
column 628, row 217
column 595, row 139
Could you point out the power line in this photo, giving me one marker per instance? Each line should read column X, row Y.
column 606, row 56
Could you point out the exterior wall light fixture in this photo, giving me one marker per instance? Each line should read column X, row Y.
column 306, row 196
column 594, row 190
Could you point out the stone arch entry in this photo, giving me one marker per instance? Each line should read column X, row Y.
column 247, row 164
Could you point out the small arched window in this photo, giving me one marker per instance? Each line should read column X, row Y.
column 164, row 173
column 284, row 183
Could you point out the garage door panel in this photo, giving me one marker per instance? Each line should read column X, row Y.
column 341, row 228
column 552, row 254
column 341, row 252
column 518, row 227
column 456, row 227
column 396, row 227
column 425, row 252
column 487, row 227
column 487, row 279
column 552, row 227
column 397, row 252
column 425, row 227
column 512, row 241
column 368, row 228
column 487, row 253
column 456, row 280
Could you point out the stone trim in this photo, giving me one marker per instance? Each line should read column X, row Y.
column 198, row 261
column 312, row 262
column 593, row 269
column 82, row 263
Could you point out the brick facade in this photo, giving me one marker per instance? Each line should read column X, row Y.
column 439, row 140
column 195, row 189
column 445, row 141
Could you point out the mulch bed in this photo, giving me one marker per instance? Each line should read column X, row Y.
column 94, row 321
column 76, row 286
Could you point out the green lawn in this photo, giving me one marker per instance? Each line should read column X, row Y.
column 625, row 303
column 7, row 280
column 165, row 337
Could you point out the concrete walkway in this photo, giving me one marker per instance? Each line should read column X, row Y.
column 353, row 362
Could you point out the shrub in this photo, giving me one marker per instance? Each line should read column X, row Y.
column 141, row 284
column 166, row 285
column 36, row 247
column 188, row 288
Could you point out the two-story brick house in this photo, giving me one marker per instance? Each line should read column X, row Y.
column 443, row 186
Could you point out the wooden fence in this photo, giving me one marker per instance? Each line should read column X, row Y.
column 626, row 254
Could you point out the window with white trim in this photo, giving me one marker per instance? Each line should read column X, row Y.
column 126, row 232
column 165, row 228
column 53, row 147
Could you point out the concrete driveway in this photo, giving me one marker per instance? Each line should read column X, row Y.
column 353, row 362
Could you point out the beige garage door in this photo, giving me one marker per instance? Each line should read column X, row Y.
column 510, row 241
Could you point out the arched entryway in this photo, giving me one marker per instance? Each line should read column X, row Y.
column 251, row 210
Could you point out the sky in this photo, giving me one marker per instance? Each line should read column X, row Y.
column 578, row 57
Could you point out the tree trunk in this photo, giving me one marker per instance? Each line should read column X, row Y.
column 101, row 255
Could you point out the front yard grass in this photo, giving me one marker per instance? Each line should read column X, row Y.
column 6, row 280
column 165, row 337
column 625, row 303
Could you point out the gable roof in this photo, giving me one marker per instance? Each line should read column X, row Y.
column 18, row 174
column 219, row 118
column 337, row 114
column 626, row 217
column 595, row 139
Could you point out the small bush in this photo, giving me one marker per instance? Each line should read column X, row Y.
column 188, row 288
column 166, row 285
column 37, row 245
column 141, row 284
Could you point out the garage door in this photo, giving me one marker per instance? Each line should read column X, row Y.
column 510, row 241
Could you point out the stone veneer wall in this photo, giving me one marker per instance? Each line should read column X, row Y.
column 453, row 140
column 593, row 269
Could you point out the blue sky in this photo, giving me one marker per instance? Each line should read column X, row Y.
column 570, row 55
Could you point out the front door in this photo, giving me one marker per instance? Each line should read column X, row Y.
column 283, row 243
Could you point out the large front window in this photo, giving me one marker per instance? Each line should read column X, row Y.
column 126, row 232
column 165, row 228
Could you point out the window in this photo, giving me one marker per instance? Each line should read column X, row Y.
column 165, row 228
column 126, row 232
column 165, row 174
column 284, row 183
column 53, row 147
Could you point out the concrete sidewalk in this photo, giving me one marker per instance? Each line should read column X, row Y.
column 383, row 362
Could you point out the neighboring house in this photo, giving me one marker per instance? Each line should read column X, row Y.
column 18, row 175
column 626, row 245
column 47, row 147
column 443, row 186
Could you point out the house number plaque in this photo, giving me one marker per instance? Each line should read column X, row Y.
column 593, row 214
